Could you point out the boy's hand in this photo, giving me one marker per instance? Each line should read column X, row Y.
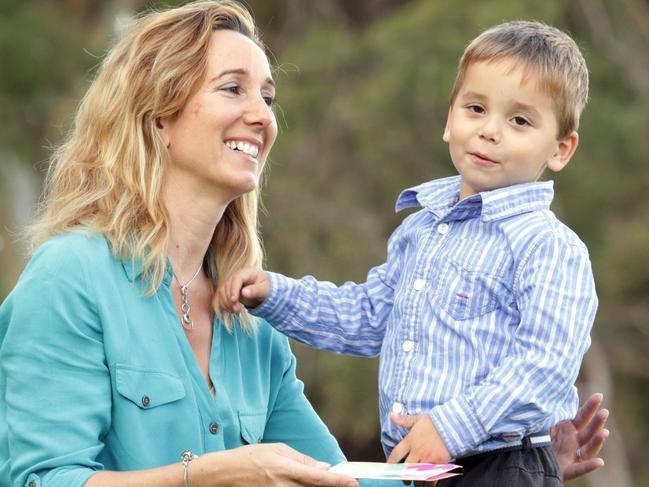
column 422, row 444
column 248, row 286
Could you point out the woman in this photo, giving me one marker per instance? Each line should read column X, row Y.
column 114, row 360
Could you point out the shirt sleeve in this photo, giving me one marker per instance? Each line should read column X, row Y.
column 292, row 420
column 347, row 319
column 556, row 298
column 57, row 391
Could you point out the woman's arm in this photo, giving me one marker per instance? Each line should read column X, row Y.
column 267, row 464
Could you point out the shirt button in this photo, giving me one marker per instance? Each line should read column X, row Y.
column 31, row 484
column 442, row 228
column 397, row 408
column 419, row 284
column 214, row 428
column 146, row 401
column 408, row 345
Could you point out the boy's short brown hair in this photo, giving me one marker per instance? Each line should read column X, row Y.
column 546, row 53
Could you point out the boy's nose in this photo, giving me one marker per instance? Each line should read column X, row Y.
column 490, row 130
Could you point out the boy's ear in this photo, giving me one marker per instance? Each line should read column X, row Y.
column 447, row 132
column 565, row 149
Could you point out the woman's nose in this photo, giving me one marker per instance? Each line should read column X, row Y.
column 258, row 112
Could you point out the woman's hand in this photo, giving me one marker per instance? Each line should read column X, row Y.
column 248, row 286
column 272, row 464
column 576, row 443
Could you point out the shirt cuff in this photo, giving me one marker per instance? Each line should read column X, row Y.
column 276, row 307
column 457, row 423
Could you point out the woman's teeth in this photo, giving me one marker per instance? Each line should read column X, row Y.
column 250, row 149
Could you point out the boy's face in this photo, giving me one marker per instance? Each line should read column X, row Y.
column 502, row 130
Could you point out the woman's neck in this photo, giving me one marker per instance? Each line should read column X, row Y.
column 193, row 219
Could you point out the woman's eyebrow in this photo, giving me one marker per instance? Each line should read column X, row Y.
column 240, row 72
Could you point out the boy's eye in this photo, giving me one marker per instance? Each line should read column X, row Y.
column 520, row 121
column 475, row 109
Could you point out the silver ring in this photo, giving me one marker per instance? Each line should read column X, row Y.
column 578, row 454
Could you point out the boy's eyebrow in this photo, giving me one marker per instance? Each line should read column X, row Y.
column 473, row 94
column 523, row 107
column 240, row 72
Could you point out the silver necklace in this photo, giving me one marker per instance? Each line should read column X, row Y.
column 186, row 321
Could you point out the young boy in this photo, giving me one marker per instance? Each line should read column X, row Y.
column 483, row 310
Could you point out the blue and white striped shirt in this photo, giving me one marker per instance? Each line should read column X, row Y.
column 482, row 314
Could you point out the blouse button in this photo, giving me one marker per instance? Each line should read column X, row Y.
column 146, row 401
column 214, row 428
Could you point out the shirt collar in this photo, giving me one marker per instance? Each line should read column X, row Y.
column 441, row 195
column 133, row 269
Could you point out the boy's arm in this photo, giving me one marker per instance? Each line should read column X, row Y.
column 555, row 294
column 347, row 319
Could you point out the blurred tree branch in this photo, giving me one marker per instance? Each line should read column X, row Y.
column 628, row 54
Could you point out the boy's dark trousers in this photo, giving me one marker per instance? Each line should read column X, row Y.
column 525, row 466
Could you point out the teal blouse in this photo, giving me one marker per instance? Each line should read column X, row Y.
column 96, row 375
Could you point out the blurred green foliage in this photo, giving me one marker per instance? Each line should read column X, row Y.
column 363, row 96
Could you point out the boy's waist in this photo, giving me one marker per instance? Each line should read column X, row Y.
column 534, row 440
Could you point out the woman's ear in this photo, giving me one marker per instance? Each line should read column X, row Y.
column 565, row 149
column 163, row 129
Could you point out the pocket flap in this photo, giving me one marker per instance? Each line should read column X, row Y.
column 148, row 388
column 252, row 426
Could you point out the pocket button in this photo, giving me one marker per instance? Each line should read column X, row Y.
column 146, row 401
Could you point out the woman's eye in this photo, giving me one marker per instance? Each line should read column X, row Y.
column 520, row 121
column 270, row 100
column 234, row 89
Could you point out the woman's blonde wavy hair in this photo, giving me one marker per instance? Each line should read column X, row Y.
column 107, row 175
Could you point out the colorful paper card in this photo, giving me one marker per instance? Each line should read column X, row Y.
column 396, row 471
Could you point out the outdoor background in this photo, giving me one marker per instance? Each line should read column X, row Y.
column 363, row 94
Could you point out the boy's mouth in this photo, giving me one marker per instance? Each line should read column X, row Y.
column 482, row 159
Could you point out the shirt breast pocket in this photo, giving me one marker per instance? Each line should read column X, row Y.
column 471, row 293
column 146, row 388
column 252, row 426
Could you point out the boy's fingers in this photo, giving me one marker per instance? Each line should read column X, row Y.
column 257, row 290
column 399, row 452
column 404, row 421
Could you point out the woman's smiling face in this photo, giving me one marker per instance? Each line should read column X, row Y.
column 221, row 138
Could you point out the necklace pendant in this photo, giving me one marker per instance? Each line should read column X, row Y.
column 186, row 321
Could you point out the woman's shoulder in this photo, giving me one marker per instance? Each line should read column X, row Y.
column 71, row 252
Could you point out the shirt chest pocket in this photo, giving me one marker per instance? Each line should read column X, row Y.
column 252, row 426
column 471, row 293
column 146, row 388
